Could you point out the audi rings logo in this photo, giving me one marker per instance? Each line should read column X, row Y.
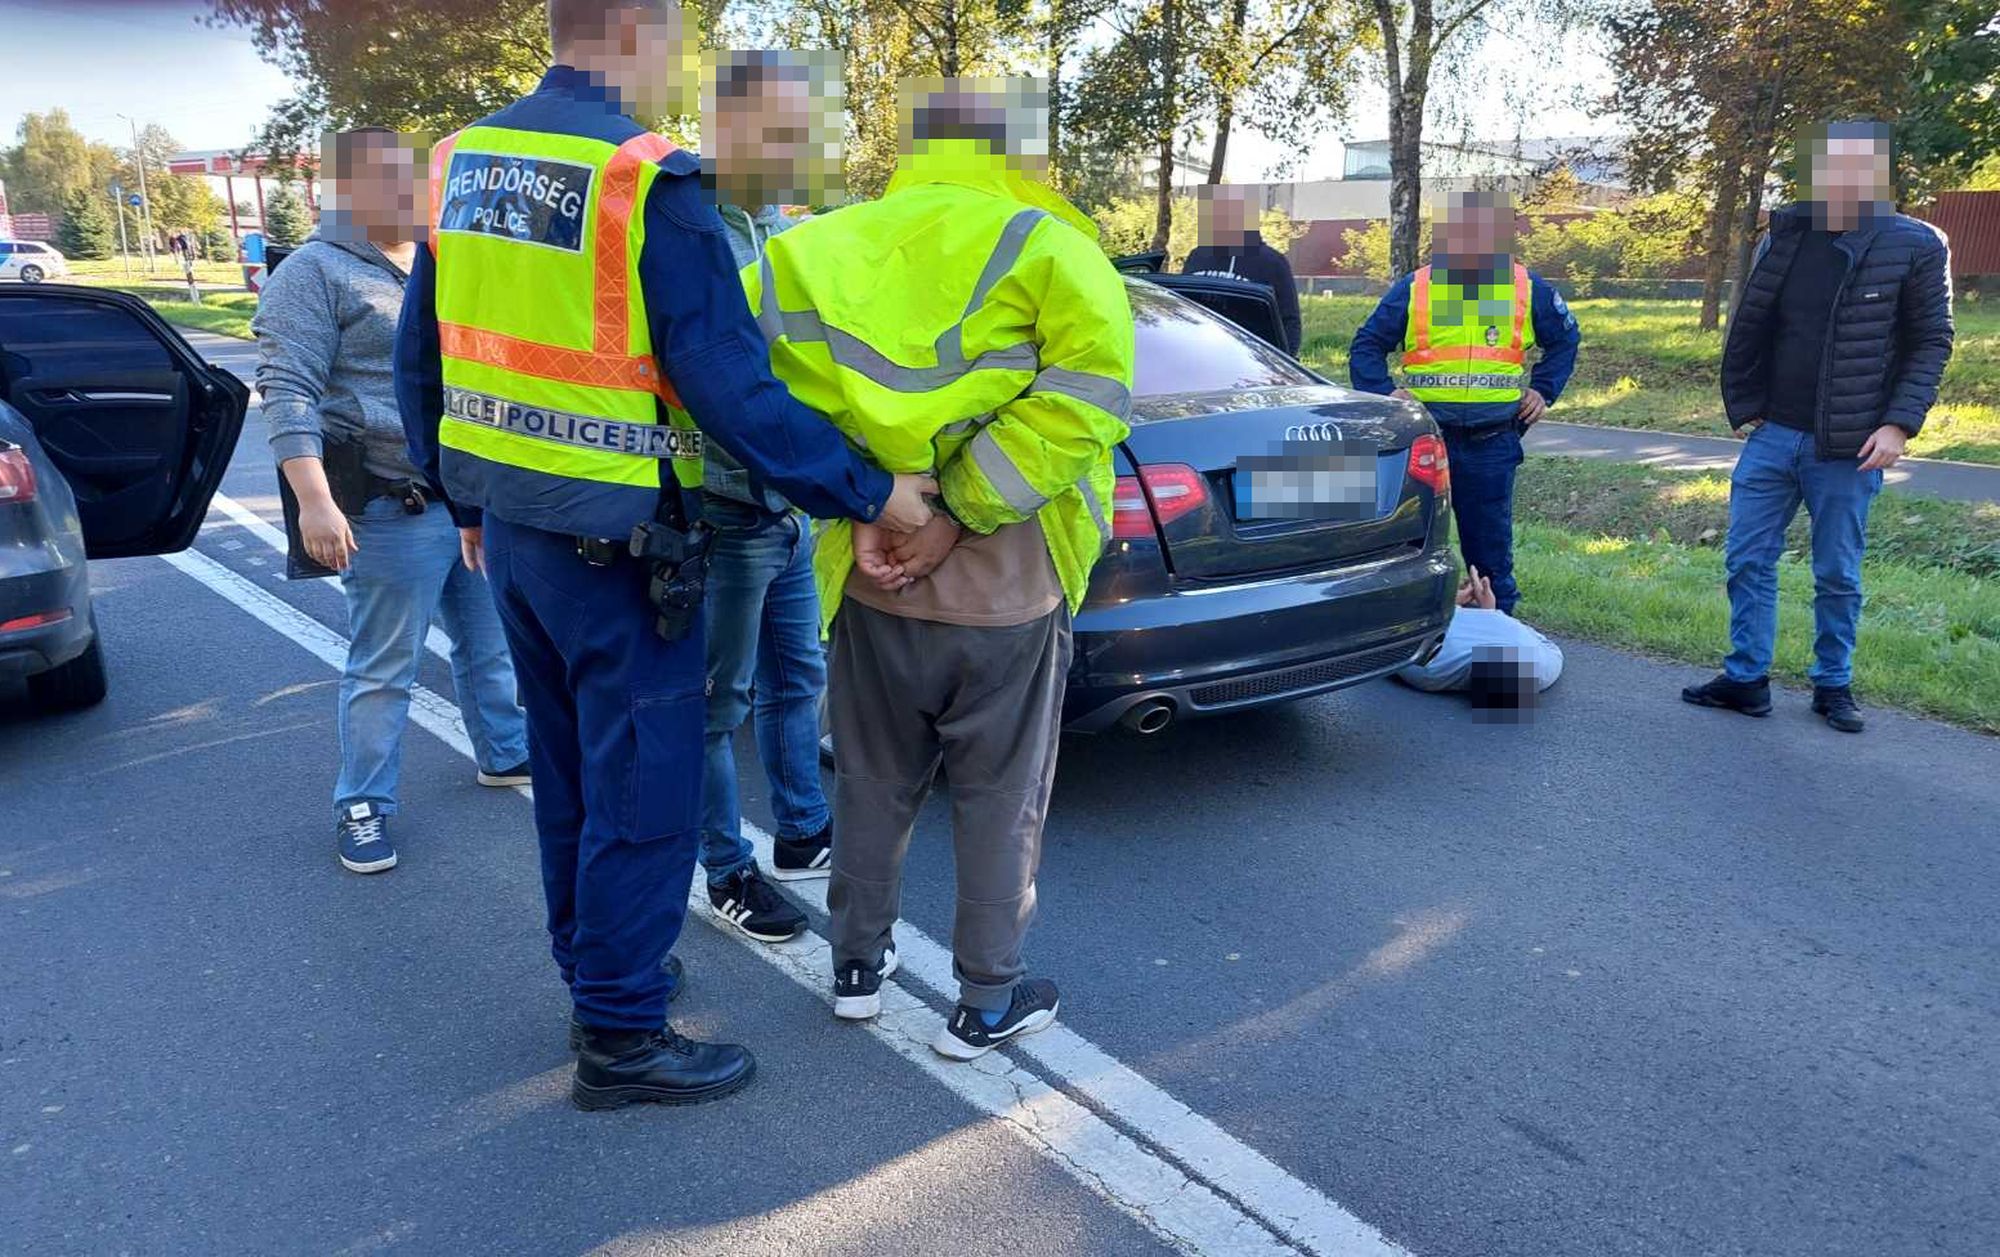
column 1313, row 432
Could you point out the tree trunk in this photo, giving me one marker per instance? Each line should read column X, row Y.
column 1225, row 105
column 1728, row 194
column 1407, row 89
column 1169, row 118
column 1762, row 147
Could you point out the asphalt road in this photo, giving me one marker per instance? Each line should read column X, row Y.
column 1631, row 977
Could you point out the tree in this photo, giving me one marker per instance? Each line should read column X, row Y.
column 1126, row 227
column 1949, row 121
column 1287, row 64
column 1712, row 87
column 285, row 220
column 51, row 161
column 86, row 230
column 1141, row 90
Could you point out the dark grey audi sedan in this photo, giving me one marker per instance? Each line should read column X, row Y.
column 1275, row 536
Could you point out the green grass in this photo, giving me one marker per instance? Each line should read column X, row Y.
column 166, row 269
column 1644, row 365
column 225, row 312
column 1632, row 557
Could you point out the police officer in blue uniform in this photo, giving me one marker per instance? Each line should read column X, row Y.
column 533, row 410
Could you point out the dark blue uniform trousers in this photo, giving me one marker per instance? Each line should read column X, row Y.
column 1483, row 461
column 615, row 741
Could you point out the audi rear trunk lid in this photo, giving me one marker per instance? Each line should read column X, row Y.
column 1297, row 478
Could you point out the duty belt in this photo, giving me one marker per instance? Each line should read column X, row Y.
column 1431, row 380
column 646, row 440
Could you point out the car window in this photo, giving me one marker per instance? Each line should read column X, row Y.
column 1184, row 349
column 65, row 337
column 6, row 247
column 38, row 248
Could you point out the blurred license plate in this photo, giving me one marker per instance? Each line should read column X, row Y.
column 1306, row 486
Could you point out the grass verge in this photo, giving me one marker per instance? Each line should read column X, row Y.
column 1645, row 365
column 1632, row 557
column 225, row 312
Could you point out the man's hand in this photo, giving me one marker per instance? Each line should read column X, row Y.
column 871, row 556
column 1533, row 407
column 1476, row 590
column 906, row 510
column 327, row 535
column 1884, row 446
column 920, row 552
column 1404, row 395
column 472, row 548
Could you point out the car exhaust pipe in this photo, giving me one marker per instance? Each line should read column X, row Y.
column 1149, row 717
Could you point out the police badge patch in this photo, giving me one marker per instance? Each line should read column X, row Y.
column 535, row 200
column 1492, row 335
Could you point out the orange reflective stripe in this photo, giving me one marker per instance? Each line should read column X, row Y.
column 1464, row 353
column 1522, row 295
column 1420, row 301
column 440, row 164
column 615, row 204
column 551, row 362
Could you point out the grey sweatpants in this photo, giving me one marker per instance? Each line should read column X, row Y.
column 905, row 696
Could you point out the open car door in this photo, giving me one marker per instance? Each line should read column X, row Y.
column 1245, row 302
column 138, row 424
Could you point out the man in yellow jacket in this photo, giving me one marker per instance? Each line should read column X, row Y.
column 965, row 324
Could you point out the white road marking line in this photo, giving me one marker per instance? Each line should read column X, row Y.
column 1189, row 1212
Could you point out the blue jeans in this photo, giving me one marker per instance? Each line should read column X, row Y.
column 1483, row 461
column 763, row 652
column 406, row 571
column 1777, row 470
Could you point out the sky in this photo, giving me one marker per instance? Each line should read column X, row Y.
column 156, row 61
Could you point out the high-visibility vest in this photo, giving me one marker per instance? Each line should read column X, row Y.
column 552, row 399
column 1466, row 345
column 966, row 323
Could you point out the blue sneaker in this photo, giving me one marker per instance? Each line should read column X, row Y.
column 363, row 831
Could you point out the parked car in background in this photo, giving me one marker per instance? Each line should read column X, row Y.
column 113, row 437
column 31, row 261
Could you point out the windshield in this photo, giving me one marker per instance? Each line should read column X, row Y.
column 1184, row 349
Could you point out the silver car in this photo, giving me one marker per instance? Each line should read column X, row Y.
column 31, row 261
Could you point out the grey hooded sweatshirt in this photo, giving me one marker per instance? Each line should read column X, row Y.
column 326, row 327
column 722, row 475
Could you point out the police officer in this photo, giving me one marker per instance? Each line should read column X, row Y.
column 572, row 333
column 1465, row 325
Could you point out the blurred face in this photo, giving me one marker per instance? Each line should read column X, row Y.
column 1848, row 174
column 777, row 142
column 643, row 57
column 1470, row 234
column 376, row 190
column 1015, row 107
column 1226, row 218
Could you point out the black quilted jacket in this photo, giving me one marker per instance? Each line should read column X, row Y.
column 1886, row 345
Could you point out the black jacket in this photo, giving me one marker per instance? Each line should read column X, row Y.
column 1260, row 263
column 1886, row 344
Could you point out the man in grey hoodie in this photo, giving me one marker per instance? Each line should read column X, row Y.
column 325, row 327
column 768, row 120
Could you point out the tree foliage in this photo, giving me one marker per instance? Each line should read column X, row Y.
column 286, row 222
column 1651, row 238
column 86, row 230
column 50, row 161
column 1949, row 122
column 1125, row 227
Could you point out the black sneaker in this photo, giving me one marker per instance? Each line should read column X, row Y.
column 799, row 859
column 516, row 776
column 967, row 1036
column 1836, row 703
column 672, row 965
column 857, row 990
column 616, row 1068
column 363, row 835
column 751, row 904
column 1752, row 698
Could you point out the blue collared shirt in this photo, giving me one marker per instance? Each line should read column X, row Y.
column 704, row 336
column 1556, row 335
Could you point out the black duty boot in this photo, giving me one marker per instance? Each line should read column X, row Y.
column 1752, row 698
column 621, row 1067
column 673, row 969
column 1836, row 703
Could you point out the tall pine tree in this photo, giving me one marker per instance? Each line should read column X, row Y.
column 285, row 220
column 86, row 229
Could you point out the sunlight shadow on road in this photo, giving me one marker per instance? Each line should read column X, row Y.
column 1419, row 936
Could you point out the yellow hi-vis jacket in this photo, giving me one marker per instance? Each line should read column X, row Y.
column 967, row 324
column 1468, row 344
column 549, row 377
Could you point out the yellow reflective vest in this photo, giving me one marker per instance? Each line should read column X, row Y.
column 549, row 377
column 1468, row 344
column 968, row 324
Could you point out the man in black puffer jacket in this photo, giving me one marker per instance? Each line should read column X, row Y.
column 1833, row 357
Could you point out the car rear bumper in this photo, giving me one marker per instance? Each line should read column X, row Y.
column 25, row 652
column 1210, row 649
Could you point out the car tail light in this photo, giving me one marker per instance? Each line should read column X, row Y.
column 1175, row 490
column 17, row 476
column 38, row 620
column 1428, row 463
